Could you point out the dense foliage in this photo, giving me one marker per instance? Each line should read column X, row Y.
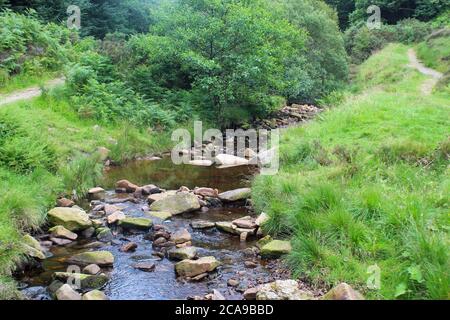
column 28, row 46
column 98, row 17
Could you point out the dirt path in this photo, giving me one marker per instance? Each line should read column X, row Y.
column 435, row 76
column 28, row 93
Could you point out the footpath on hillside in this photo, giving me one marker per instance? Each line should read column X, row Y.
column 29, row 93
column 428, row 85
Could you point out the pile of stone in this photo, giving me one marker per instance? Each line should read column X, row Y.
column 289, row 115
column 290, row 290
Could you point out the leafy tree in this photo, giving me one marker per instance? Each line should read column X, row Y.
column 327, row 59
column 98, row 17
column 235, row 52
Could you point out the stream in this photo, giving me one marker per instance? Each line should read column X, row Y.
column 126, row 282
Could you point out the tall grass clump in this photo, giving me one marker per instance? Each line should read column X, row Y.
column 367, row 185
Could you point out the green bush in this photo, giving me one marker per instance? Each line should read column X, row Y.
column 79, row 175
column 22, row 153
column 361, row 42
column 25, row 39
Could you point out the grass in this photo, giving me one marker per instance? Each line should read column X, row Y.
column 48, row 150
column 367, row 183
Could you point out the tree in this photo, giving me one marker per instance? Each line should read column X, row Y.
column 238, row 53
column 326, row 56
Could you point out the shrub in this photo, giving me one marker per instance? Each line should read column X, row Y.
column 24, row 38
column 361, row 42
column 81, row 174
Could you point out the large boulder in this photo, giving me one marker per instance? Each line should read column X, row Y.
column 73, row 219
column 177, row 203
column 275, row 249
column 236, row 195
column 85, row 281
column 100, row 258
column 282, row 290
column 230, row 160
column 182, row 253
column 61, row 232
column 136, row 223
column 65, row 292
column 95, row 295
column 343, row 292
column 192, row 268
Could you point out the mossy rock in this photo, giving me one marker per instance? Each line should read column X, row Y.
column 86, row 281
column 73, row 219
column 177, row 203
column 275, row 249
column 100, row 258
column 136, row 223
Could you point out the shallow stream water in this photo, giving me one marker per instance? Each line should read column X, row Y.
column 128, row 283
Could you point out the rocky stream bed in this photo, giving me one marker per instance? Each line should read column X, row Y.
column 155, row 230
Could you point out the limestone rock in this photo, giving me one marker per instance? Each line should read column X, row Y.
column 263, row 218
column 73, row 219
column 202, row 224
column 145, row 266
column 181, row 236
column 96, row 193
column 177, row 203
column 282, row 290
column 245, row 222
column 275, row 249
column 65, row 292
column 100, row 258
column 161, row 215
column 95, row 295
column 92, row 269
column 115, row 217
column 226, row 226
column 192, row 268
column 236, row 195
column 64, row 202
column 206, row 192
column 343, row 292
column 127, row 185
column 61, row 232
column 182, row 253
column 136, row 223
